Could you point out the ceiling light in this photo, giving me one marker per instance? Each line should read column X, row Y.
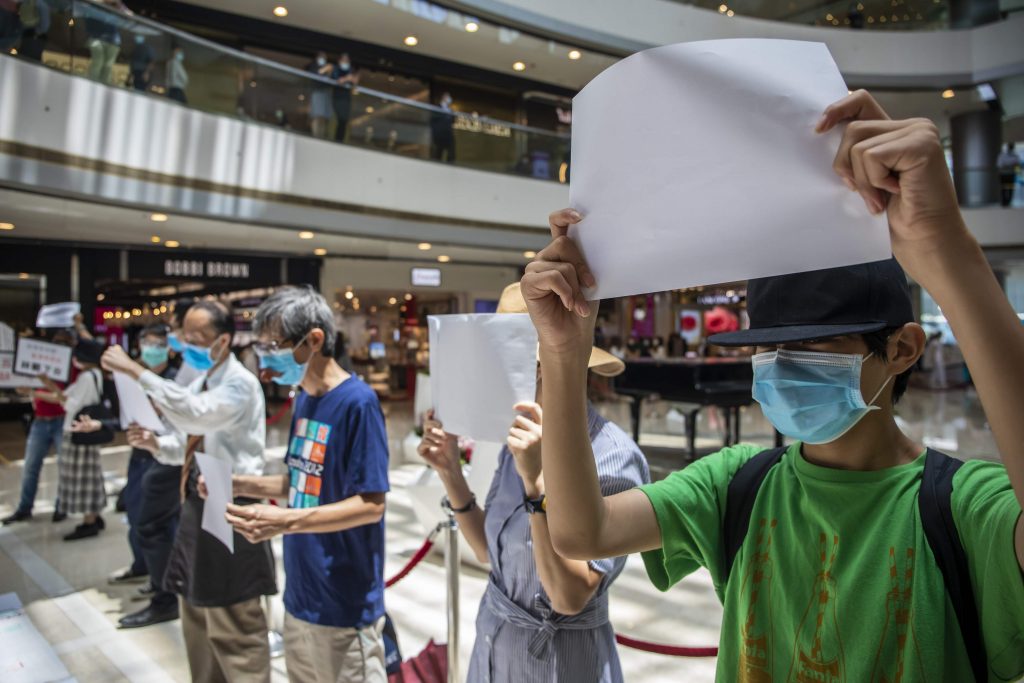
column 575, row 54
column 101, row 297
column 6, row 226
column 281, row 11
column 723, row 8
column 529, row 254
column 22, row 276
column 369, row 110
column 173, row 244
column 349, row 295
column 306, row 235
column 158, row 217
column 729, row 13
column 948, row 94
column 320, row 251
column 423, row 246
column 408, row 297
column 519, row 66
column 392, row 301
column 444, row 258
column 411, row 41
column 155, row 239
column 472, row 27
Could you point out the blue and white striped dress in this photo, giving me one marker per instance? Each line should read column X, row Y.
column 518, row 637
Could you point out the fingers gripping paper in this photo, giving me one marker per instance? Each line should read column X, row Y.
column 480, row 366
column 698, row 163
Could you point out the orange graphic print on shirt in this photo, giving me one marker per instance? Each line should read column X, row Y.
column 889, row 665
column 818, row 654
column 755, row 664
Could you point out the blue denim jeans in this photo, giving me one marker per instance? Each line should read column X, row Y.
column 41, row 436
column 138, row 464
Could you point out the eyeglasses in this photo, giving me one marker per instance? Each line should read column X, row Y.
column 270, row 347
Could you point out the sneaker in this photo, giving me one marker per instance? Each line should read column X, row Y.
column 17, row 516
column 126, row 576
column 84, row 531
column 58, row 516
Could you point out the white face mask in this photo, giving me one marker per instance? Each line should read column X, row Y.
column 320, row 61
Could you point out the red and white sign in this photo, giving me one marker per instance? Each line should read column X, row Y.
column 36, row 357
column 690, row 326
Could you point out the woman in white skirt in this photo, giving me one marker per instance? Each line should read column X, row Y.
column 80, row 475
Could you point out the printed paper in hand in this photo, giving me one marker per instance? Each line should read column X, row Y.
column 58, row 315
column 6, row 338
column 698, row 163
column 36, row 358
column 135, row 405
column 217, row 473
column 9, row 380
column 480, row 366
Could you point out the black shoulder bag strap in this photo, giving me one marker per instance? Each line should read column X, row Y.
column 739, row 501
column 935, row 503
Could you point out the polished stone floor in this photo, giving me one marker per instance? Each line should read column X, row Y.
column 64, row 590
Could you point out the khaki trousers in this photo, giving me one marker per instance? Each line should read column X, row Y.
column 329, row 654
column 227, row 644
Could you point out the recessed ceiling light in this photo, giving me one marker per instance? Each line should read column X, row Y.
column 6, row 226
column 472, row 27
column 155, row 239
column 729, row 13
column 281, row 11
column 723, row 8
column 369, row 109
column 320, row 251
column 173, row 244
column 408, row 296
column 423, row 246
column 392, row 301
column 948, row 94
column 529, row 254
column 349, row 295
column 575, row 54
column 411, row 41
column 519, row 66
column 443, row 258
column 306, row 235
column 158, row 217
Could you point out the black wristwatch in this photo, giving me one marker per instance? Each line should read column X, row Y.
column 447, row 504
column 534, row 506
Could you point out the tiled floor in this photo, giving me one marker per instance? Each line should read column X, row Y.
column 63, row 585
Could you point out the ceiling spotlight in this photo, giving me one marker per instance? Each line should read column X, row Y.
column 423, row 246
column 101, row 296
column 22, row 276
column 408, row 296
column 529, row 254
column 6, row 226
column 729, row 13
column 306, row 235
column 369, row 109
column 155, row 239
column 723, row 8
column 392, row 301
column 158, row 217
column 472, row 27
column 948, row 94
column 320, row 251
column 518, row 66
column 411, row 41
column 281, row 11
column 349, row 295
column 173, row 244
column 575, row 54
column 444, row 258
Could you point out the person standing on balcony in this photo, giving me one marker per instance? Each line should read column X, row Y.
column 347, row 78
column 177, row 76
column 141, row 64
column 1009, row 165
column 320, row 97
column 442, row 131
column 103, row 39
column 35, row 24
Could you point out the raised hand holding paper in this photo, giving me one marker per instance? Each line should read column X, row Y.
column 217, row 473
column 480, row 366
column 698, row 163
column 58, row 315
column 135, row 405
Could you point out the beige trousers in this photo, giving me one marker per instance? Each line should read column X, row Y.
column 227, row 644
column 328, row 654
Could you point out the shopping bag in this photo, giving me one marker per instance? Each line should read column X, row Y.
column 429, row 666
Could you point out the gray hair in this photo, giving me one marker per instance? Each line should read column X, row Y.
column 293, row 312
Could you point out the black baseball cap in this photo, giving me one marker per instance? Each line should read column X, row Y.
column 89, row 351
column 823, row 303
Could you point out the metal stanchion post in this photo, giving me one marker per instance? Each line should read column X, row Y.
column 274, row 637
column 451, row 563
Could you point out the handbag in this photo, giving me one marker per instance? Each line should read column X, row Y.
column 429, row 666
column 98, row 411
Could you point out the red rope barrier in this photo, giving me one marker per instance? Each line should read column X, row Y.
column 282, row 411
column 415, row 560
column 673, row 650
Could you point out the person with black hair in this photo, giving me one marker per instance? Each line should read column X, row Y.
column 224, row 413
column 855, row 553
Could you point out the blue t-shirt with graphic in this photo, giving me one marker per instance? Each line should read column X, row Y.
column 338, row 448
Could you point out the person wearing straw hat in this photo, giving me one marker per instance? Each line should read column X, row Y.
column 542, row 617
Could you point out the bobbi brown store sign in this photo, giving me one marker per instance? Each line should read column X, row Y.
column 192, row 266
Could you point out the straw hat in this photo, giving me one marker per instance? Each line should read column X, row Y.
column 601, row 362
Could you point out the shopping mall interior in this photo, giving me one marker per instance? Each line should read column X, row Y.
column 401, row 157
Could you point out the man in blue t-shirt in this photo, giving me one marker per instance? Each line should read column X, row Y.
column 337, row 478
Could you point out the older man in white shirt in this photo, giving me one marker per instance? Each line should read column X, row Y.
column 223, row 410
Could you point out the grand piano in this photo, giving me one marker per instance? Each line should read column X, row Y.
column 721, row 382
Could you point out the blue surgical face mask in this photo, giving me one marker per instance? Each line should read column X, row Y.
column 153, row 356
column 809, row 396
column 199, row 357
column 180, row 56
column 175, row 343
column 289, row 371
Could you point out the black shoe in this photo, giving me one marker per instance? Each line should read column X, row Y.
column 58, row 516
column 144, row 593
column 101, row 523
column 125, row 576
column 149, row 616
column 17, row 516
column 84, row 531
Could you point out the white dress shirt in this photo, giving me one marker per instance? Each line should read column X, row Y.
column 84, row 391
column 230, row 414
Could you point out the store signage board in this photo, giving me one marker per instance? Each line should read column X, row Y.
column 10, row 380
column 135, row 405
column 58, row 315
column 6, row 338
column 481, row 365
column 697, row 163
column 426, row 277
column 34, row 358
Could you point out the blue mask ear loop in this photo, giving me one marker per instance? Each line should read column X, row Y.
column 871, row 403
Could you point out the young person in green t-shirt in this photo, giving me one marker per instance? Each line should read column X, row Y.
column 835, row 580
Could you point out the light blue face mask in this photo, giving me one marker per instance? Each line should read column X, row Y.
column 199, row 357
column 153, row 356
column 175, row 343
column 289, row 371
column 809, row 396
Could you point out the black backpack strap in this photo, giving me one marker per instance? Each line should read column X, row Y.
column 739, row 501
column 935, row 503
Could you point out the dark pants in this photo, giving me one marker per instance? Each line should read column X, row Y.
column 134, row 495
column 139, row 79
column 158, row 523
column 45, row 433
column 342, row 103
column 444, row 143
column 177, row 94
column 1008, row 183
column 32, row 45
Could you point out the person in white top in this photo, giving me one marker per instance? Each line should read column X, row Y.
column 223, row 622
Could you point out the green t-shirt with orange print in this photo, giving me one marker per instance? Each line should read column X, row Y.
column 835, row 581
